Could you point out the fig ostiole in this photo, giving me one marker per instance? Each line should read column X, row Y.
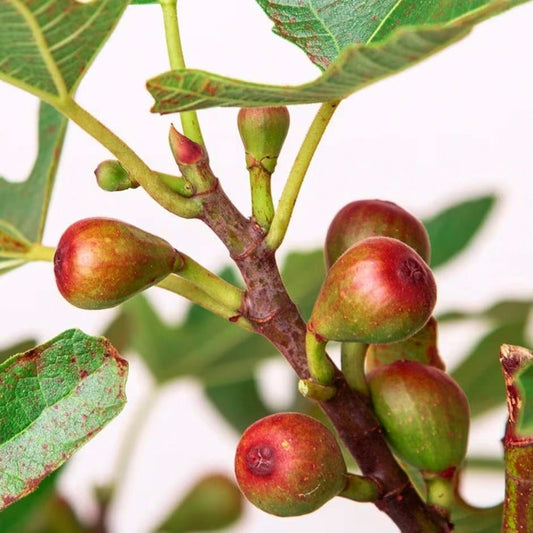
column 289, row 464
column 101, row 262
column 378, row 291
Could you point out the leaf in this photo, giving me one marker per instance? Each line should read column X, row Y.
column 480, row 375
column 451, row 230
column 53, row 399
column 15, row 518
column 323, row 28
column 524, row 381
column 239, row 402
column 357, row 66
column 46, row 47
column 477, row 520
column 22, row 346
column 24, row 206
column 503, row 312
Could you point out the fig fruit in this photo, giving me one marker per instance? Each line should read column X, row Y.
column 112, row 176
column 374, row 218
column 101, row 262
column 379, row 291
column 424, row 414
column 289, row 464
column 263, row 131
column 421, row 347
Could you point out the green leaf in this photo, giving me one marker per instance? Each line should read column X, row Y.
column 303, row 274
column 451, row 230
column 524, row 381
column 24, row 206
column 16, row 517
column 323, row 28
column 239, row 402
column 480, row 375
column 53, row 399
column 21, row 346
column 46, row 47
column 477, row 520
column 357, row 66
column 503, row 312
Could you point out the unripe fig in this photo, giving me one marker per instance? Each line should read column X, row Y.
column 212, row 504
column 380, row 290
column 263, row 131
column 421, row 347
column 289, row 464
column 374, row 218
column 101, row 262
column 424, row 414
column 112, row 176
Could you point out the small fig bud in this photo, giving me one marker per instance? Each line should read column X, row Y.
column 112, row 176
column 289, row 464
column 263, row 131
column 380, row 290
column 185, row 150
column 101, row 262
column 424, row 413
column 374, row 218
column 212, row 504
column 421, row 347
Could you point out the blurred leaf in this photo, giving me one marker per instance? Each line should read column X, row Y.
column 480, row 374
column 21, row 346
column 506, row 311
column 451, row 230
column 323, row 28
column 524, row 382
column 349, row 68
column 239, row 402
column 485, row 463
column 213, row 503
column 53, row 399
column 46, row 47
column 303, row 274
column 477, row 520
column 17, row 516
column 24, row 206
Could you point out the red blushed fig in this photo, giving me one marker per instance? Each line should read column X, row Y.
column 101, row 262
column 424, row 414
column 421, row 347
column 374, row 218
column 379, row 291
column 289, row 464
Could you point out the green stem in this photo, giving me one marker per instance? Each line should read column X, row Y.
column 322, row 370
column 283, row 214
column 195, row 294
column 262, row 205
column 148, row 179
column 360, row 489
column 189, row 119
column 353, row 365
column 219, row 289
column 441, row 492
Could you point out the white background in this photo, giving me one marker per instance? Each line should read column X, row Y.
column 457, row 125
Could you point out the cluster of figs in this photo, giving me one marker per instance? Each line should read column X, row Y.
column 378, row 292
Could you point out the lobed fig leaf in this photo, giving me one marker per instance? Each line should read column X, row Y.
column 379, row 291
column 101, row 262
column 289, row 464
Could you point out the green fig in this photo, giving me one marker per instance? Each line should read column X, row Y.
column 421, row 347
column 263, row 131
column 424, row 414
column 379, row 291
column 112, row 176
column 374, row 218
column 213, row 503
column 289, row 464
column 101, row 262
